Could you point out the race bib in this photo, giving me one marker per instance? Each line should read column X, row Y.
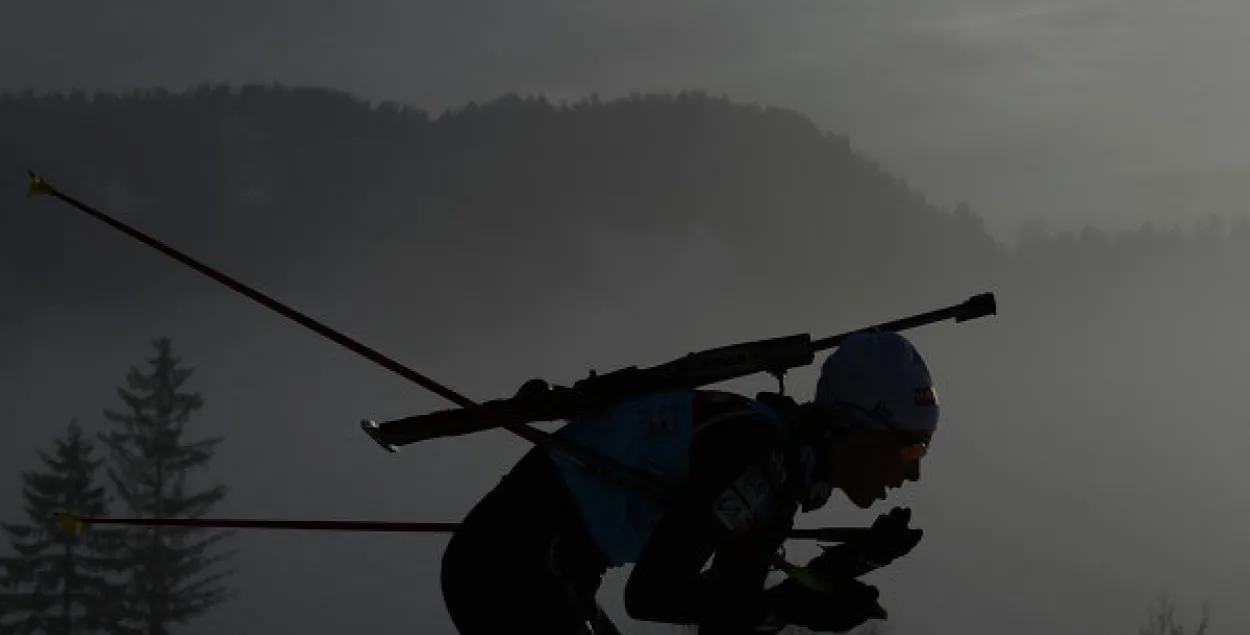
column 745, row 506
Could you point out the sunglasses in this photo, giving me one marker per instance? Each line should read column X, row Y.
column 914, row 445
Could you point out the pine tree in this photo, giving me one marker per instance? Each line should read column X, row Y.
column 172, row 572
column 57, row 582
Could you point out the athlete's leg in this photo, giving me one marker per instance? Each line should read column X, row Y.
column 497, row 570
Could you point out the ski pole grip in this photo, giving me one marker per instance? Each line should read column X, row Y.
column 831, row 534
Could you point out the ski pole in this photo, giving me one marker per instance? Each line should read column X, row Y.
column 75, row 524
column 40, row 186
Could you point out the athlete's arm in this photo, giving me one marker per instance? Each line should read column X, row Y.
column 736, row 511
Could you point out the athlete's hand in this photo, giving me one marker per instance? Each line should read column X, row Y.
column 889, row 538
column 844, row 606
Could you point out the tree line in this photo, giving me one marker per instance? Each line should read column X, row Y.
column 254, row 174
column 111, row 579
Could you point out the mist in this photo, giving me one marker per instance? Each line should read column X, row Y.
column 1088, row 458
column 1106, row 112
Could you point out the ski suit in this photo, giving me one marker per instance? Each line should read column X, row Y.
column 530, row 555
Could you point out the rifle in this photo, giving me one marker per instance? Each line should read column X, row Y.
column 538, row 401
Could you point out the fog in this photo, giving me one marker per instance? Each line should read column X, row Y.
column 1105, row 111
column 1090, row 452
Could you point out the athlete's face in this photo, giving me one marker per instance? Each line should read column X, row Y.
column 867, row 464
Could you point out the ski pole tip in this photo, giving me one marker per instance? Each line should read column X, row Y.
column 71, row 524
column 37, row 185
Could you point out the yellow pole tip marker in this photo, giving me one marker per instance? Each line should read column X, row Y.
column 73, row 525
column 37, row 185
column 808, row 579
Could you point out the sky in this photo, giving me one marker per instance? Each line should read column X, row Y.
column 1101, row 112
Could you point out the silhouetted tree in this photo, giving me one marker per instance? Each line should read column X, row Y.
column 1161, row 619
column 58, row 583
column 172, row 573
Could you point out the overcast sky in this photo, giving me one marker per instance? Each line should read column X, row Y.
column 1099, row 111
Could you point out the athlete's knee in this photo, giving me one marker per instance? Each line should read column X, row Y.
column 458, row 559
column 461, row 597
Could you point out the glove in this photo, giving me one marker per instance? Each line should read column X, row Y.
column 888, row 539
column 844, row 606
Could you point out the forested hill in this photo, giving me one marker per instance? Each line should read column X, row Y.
column 239, row 174
column 291, row 185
